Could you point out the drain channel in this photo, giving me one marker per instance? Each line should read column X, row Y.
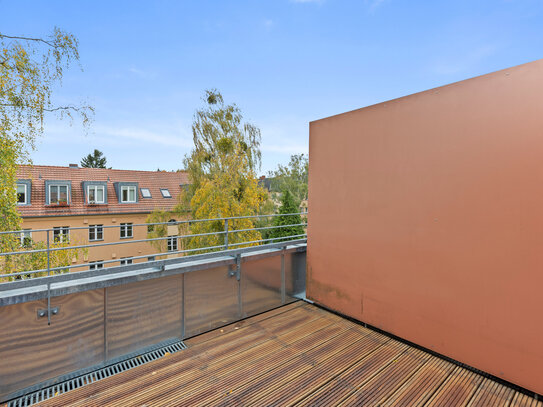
column 99, row 374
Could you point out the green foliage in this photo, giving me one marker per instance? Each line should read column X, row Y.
column 287, row 206
column 267, row 208
column 29, row 70
column 9, row 216
column 24, row 261
column 94, row 160
column 292, row 177
column 159, row 231
column 222, row 169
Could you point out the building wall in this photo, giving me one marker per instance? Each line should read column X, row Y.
column 102, row 253
column 427, row 220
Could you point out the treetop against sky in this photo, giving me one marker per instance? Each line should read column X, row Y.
column 283, row 62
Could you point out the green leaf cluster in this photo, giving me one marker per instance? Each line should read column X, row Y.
column 282, row 223
column 293, row 178
column 94, row 160
column 222, row 168
column 30, row 68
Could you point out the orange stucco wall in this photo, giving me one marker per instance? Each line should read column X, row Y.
column 426, row 220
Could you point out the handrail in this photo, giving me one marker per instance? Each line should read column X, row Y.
column 227, row 231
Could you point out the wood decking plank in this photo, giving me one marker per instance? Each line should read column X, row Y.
column 298, row 354
column 417, row 390
column 457, row 390
column 184, row 362
column 379, row 388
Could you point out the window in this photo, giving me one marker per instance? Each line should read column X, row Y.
column 96, row 232
column 96, row 194
column 165, row 193
column 61, row 234
column 145, row 192
column 128, row 194
column 58, row 194
column 172, row 244
column 151, row 258
column 22, row 194
column 126, row 230
column 26, row 238
column 125, row 260
column 94, row 265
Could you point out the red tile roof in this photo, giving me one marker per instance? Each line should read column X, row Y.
column 154, row 180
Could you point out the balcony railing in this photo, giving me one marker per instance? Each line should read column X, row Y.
column 227, row 239
column 120, row 311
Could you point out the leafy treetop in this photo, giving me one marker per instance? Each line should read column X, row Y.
column 293, row 177
column 29, row 70
column 94, row 160
column 222, row 168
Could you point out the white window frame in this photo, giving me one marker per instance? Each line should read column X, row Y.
column 148, row 192
column 172, row 241
column 95, row 188
column 63, row 234
column 128, row 188
column 125, row 228
column 96, row 230
column 25, row 233
column 94, row 265
column 26, row 194
column 58, row 193
column 167, row 191
column 126, row 261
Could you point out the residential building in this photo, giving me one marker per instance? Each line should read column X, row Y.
column 60, row 198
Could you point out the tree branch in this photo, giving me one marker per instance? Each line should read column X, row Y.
column 28, row 39
column 55, row 109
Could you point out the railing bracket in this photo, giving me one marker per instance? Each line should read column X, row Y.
column 43, row 312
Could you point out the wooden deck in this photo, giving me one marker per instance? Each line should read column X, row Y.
column 296, row 355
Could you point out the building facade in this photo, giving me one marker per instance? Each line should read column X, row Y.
column 111, row 206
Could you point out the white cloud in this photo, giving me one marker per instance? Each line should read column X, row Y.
column 285, row 148
column 307, row 1
column 141, row 73
column 155, row 136
column 268, row 24
column 374, row 4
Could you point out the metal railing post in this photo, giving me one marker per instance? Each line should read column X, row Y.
column 183, row 306
column 106, row 339
column 283, row 279
column 48, row 282
column 226, row 234
column 238, row 273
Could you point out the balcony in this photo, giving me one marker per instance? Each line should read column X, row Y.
column 229, row 325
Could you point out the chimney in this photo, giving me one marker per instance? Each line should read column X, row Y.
column 73, row 166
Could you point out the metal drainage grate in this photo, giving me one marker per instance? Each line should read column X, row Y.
column 72, row 384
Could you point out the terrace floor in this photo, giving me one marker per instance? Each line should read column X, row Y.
column 296, row 355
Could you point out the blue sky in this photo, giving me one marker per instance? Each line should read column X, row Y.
column 283, row 62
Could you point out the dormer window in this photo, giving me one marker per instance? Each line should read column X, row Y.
column 96, row 194
column 165, row 193
column 128, row 194
column 23, row 192
column 57, row 192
